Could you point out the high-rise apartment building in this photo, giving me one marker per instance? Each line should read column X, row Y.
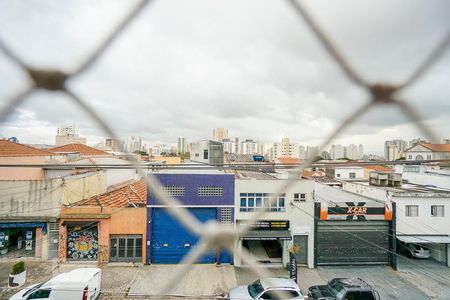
column 312, row 152
column 113, row 145
column 133, row 144
column 417, row 141
column 181, row 147
column 68, row 134
column 352, row 152
column 220, row 134
column 395, row 149
column 249, row 146
column 337, row 151
column 285, row 149
column 228, row 146
column 237, row 145
column 302, row 152
column 361, row 151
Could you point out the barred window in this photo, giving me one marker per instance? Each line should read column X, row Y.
column 412, row 211
column 256, row 201
column 225, row 215
column 215, row 191
column 299, row 197
column 437, row 210
column 53, row 226
column 174, row 190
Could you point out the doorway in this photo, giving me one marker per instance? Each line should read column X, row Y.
column 125, row 248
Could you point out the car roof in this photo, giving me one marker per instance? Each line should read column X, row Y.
column 76, row 275
column 278, row 282
column 353, row 282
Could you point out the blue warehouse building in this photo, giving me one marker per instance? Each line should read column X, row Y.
column 206, row 196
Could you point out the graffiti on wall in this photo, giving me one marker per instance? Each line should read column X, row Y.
column 82, row 245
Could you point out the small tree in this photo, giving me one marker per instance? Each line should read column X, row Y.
column 18, row 268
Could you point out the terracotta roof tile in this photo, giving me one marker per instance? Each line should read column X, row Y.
column 378, row 168
column 437, row 147
column 310, row 173
column 132, row 194
column 8, row 148
column 287, row 160
column 80, row 148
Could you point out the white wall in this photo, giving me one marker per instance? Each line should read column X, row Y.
column 424, row 223
column 344, row 173
column 300, row 214
column 441, row 181
column 365, row 190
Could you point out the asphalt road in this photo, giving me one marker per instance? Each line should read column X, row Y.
column 415, row 279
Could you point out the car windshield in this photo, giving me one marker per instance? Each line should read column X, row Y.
column 33, row 289
column 255, row 289
column 336, row 289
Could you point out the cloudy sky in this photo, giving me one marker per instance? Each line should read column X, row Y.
column 185, row 67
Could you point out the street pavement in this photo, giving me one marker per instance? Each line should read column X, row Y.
column 415, row 279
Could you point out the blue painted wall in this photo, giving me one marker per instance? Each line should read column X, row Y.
column 191, row 183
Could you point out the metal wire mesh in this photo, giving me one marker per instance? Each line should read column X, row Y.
column 212, row 235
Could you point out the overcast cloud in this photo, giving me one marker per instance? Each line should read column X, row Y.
column 185, row 67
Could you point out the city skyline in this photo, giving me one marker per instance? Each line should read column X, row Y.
column 231, row 73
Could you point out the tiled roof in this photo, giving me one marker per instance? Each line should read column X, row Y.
column 8, row 148
column 80, row 148
column 287, row 160
column 132, row 194
column 309, row 173
column 378, row 168
column 437, row 147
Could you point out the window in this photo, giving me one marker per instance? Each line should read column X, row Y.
column 256, row 201
column 412, row 211
column 429, row 156
column 40, row 294
column 279, row 294
column 205, row 154
column 410, row 156
column 214, row 191
column 338, row 175
column 299, row 197
column 352, row 175
column 437, row 210
column 174, row 190
column 225, row 215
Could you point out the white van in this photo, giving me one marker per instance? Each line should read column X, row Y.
column 78, row 284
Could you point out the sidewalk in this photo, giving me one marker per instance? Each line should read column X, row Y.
column 200, row 280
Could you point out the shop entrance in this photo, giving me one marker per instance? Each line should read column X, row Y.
column 265, row 252
column 17, row 242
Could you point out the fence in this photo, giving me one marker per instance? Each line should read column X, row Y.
column 213, row 236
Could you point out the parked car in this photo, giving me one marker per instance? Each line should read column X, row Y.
column 78, row 284
column 343, row 289
column 413, row 250
column 267, row 288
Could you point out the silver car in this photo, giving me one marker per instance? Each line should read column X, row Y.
column 413, row 250
column 267, row 288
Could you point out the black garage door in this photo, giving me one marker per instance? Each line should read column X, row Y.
column 346, row 243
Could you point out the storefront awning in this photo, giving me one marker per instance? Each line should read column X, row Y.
column 266, row 235
column 25, row 225
column 425, row 239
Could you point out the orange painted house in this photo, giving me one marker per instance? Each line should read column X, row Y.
column 110, row 227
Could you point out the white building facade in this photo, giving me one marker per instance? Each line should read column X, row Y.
column 428, row 152
column 422, row 215
column 289, row 220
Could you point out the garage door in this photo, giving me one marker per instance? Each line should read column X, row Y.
column 345, row 243
column 171, row 241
